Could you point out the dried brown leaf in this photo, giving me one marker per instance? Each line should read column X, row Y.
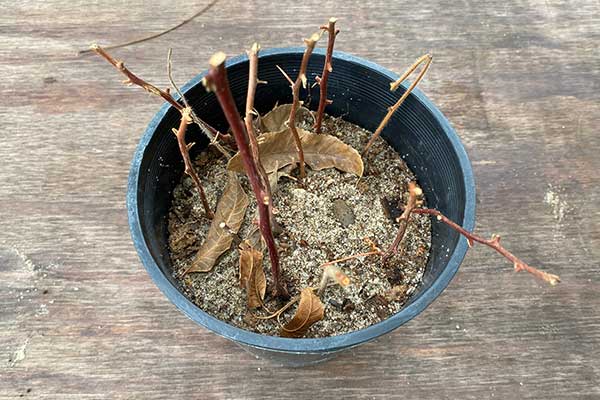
column 278, row 149
column 310, row 310
column 278, row 173
column 230, row 211
column 252, row 276
column 276, row 119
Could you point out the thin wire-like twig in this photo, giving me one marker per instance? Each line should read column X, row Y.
column 217, row 82
column 208, row 130
column 156, row 35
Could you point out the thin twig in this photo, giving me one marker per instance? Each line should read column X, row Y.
column 154, row 36
column 280, row 311
column 327, row 69
column 216, row 81
column 414, row 192
column 301, row 82
column 370, row 253
column 133, row 79
column 393, row 86
column 494, row 243
column 208, row 130
column 189, row 168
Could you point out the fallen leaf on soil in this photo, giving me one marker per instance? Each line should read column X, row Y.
column 230, row 211
column 252, row 276
column 310, row 310
column 277, row 174
column 278, row 149
column 276, row 119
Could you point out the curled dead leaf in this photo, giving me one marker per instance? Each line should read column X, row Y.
column 278, row 149
column 276, row 119
column 252, row 276
column 228, row 217
column 310, row 310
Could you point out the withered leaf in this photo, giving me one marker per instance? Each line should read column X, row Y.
column 278, row 173
column 278, row 149
column 276, row 119
column 310, row 310
column 252, row 276
column 230, row 211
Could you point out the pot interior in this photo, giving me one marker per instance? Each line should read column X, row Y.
column 360, row 95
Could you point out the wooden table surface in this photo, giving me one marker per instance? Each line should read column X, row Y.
column 81, row 319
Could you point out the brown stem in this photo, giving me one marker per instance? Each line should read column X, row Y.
column 189, row 168
column 133, row 79
column 216, row 81
column 393, row 86
column 154, row 36
column 301, row 82
column 494, row 243
column 248, row 120
column 210, row 132
column 327, row 69
column 339, row 260
column 414, row 192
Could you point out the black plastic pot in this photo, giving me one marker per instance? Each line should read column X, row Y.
column 360, row 93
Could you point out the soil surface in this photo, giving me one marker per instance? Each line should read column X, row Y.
column 334, row 215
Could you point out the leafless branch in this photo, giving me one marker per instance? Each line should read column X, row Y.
column 189, row 168
column 426, row 59
column 217, row 82
column 248, row 120
column 414, row 192
column 327, row 69
column 212, row 134
column 494, row 243
column 301, row 82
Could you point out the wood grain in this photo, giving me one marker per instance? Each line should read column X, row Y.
column 79, row 317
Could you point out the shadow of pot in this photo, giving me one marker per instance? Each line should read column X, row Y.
column 360, row 93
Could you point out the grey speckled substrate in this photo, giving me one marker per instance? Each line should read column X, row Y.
column 313, row 234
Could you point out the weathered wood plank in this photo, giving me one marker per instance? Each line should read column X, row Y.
column 79, row 318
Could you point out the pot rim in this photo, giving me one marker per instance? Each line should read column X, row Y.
column 303, row 345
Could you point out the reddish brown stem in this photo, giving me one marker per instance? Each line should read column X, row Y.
column 189, row 168
column 393, row 86
column 327, row 69
column 413, row 194
column 216, row 81
column 301, row 82
column 494, row 243
column 339, row 260
column 248, row 120
column 133, row 79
